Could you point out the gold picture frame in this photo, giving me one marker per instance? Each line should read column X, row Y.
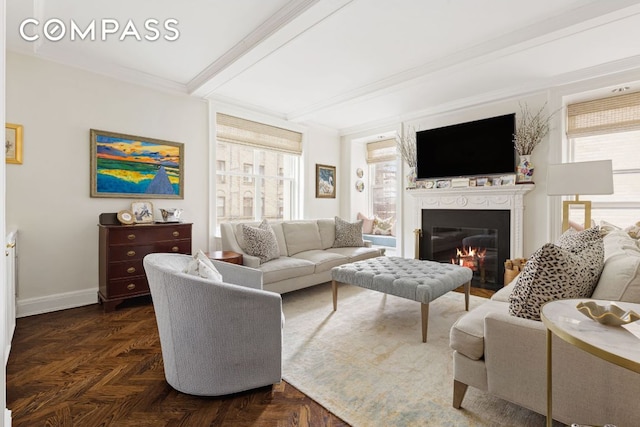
column 325, row 182
column 13, row 143
column 142, row 211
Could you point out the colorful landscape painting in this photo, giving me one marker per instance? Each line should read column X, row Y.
column 131, row 166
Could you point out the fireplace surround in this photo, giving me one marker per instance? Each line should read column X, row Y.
column 506, row 228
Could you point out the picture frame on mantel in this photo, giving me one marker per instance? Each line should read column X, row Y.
column 13, row 143
column 131, row 166
column 325, row 182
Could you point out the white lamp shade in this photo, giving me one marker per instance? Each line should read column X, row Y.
column 580, row 178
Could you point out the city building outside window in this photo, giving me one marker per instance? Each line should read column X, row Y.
column 382, row 160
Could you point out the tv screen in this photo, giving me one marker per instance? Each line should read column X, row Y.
column 481, row 147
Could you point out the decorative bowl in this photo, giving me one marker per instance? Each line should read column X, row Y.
column 610, row 314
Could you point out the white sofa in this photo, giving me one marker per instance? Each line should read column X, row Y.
column 506, row 355
column 306, row 249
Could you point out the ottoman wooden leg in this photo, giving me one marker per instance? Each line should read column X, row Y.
column 467, row 289
column 425, row 320
column 334, row 290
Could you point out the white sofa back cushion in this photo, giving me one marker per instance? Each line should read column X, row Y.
column 327, row 229
column 620, row 278
column 301, row 236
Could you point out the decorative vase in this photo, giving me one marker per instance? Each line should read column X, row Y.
column 411, row 178
column 525, row 169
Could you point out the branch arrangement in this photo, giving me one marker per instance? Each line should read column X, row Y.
column 407, row 147
column 531, row 129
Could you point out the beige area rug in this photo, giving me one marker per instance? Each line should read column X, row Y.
column 366, row 362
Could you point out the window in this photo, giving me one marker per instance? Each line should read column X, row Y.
column 221, row 167
column 609, row 128
column 272, row 191
column 381, row 156
column 220, row 203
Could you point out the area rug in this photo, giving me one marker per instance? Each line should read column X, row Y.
column 367, row 364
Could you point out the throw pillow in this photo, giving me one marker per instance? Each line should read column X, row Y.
column 202, row 266
column 554, row 273
column 261, row 242
column 348, row 233
column 383, row 227
column 367, row 223
column 575, row 240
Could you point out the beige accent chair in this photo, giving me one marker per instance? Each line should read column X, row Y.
column 216, row 338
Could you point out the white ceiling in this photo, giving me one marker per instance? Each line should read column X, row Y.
column 346, row 64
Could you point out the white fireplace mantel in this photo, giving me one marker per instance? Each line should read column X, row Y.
column 507, row 197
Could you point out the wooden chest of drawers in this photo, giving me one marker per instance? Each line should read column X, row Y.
column 121, row 250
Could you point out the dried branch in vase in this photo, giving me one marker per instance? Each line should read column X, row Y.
column 531, row 129
column 407, row 147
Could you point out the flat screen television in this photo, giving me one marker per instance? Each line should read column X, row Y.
column 477, row 148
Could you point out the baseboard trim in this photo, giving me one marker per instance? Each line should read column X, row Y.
column 40, row 305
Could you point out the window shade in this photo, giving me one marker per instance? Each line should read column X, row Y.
column 607, row 115
column 247, row 132
column 381, row 151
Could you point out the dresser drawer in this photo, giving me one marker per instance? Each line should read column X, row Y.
column 142, row 234
column 119, row 270
column 128, row 287
column 129, row 252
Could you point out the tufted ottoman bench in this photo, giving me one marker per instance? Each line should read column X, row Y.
column 417, row 280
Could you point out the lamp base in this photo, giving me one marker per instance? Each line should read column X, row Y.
column 566, row 206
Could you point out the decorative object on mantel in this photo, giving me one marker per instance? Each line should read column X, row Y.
column 407, row 147
column 530, row 131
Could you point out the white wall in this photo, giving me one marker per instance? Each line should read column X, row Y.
column 322, row 146
column 48, row 195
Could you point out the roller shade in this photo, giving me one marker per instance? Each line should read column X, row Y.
column 247, row 132
column 607, row 115
column 381, row 151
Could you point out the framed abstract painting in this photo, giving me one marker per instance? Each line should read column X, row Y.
column 136, row 167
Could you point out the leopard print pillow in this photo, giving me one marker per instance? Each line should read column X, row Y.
column 261, row 241
column 554, row 273
column 575, row 240
column 348, row 234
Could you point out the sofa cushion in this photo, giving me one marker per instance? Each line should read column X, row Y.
column 279, row 232
column 285, row 268
column 323, row 260
column 327, row 228
column 356, row 254
column 620, row 278
column 301, row 236
column 467, row 334
column 261, row 241
column 348, row 234
column 504, row 293
column 553, row 273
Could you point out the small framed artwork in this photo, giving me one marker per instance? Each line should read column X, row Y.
column 325, row 182
column 125, row 217
column 359, row 173
column 481, row 182
column 142, row 212
column 359, row 186
column 496, row 182
column 472, row 182
column 136, row 167
column 13, row 143
column 508, row 179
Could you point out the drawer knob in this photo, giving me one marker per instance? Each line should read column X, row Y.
column 131, row 253
column 131, row 286
column 131, row 270
column 131, row 236
column 175, row 249
column 176, row 233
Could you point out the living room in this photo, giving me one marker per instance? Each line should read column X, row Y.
column 58, row 102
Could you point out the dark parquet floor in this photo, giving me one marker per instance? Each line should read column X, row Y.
column 82, row 367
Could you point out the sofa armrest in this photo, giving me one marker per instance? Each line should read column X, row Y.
column 239, row 274
column 368, row 243
column 250, row 261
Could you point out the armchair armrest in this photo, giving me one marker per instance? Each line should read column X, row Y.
column 239, row 274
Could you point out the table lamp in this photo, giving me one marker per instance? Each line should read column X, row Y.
column 585, row 178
